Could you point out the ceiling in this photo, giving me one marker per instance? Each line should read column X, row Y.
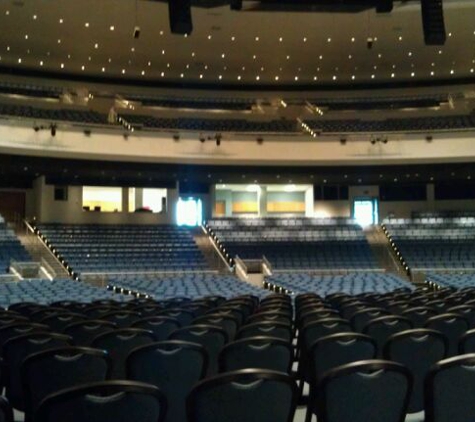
column 93, row 38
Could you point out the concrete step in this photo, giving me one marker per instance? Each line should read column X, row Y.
column 39, row 252
column 382, row 251
column 212, row 256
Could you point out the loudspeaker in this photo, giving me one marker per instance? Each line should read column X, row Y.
column 236, row 4
column 433, row 22
column 384, row 6
column 180, row 16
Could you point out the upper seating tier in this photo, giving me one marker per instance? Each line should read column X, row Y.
column 118, row 248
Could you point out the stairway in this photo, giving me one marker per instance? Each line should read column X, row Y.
column 39, row 252
column 382, row 251
column 212, row 256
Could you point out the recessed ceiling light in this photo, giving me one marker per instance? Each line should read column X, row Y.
column 400, row 38
column 19, row 60
column 452, row 71
column 257, row 38
column 83, row 67
column 373, row 76
column 305, row 39
column 86, row 24
column 61, row 20
column 41, row 63
column 288, row 57
column 8, row 48
column 409, row 54
column 320, row 57
column 143, row 72
column 59, row 41
column 380, row 55
column 220, row 77
column 432, row 73
column 353, row 77
column 393, row 75
column 350, row 56
column 352, row 39
column 62, row 65
column 103, row 69
column 315, row 78
column 96, row 46
column 239, row 77
column 281, row 39
column 258, row 77
column 7, row 12
column 440, row 51
column 123, row 71
column 254, row 57
column 334, row 77
column 450, row 34
column 471, row 70
column 34, row 17
column 26, row 37
column 209, row 37
column 223, row 55
column 296, row 78
column 161, row 32
column 329, row 40
column 149, row 64
column 412, row 74
column 193, row 54
column 276, row 78
column 233, row 38
column 181, row 75
column 112, row 27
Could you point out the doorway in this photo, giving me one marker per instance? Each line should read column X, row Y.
column 365, row 211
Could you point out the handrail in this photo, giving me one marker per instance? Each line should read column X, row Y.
column 215, row 246
column 30, row 228
column 241, row 263
column 267, row 263
column 48, row 267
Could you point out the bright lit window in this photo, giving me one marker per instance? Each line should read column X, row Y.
column 101, row 198
column 146, row 199
column 365, row 212
column 189, row 212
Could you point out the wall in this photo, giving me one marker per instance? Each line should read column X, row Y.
column 108, row 144
column 332, row 209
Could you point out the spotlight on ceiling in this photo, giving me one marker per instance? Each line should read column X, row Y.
column 260, row 140
column 369, row 43
column 87, row 132
column 53, row 128
column 36, row 128
column 136, row 32
column 429, row 138
column 373, row 141
column 202, row 139
column 176, row 137
column 218, row 139
column 343, row 141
